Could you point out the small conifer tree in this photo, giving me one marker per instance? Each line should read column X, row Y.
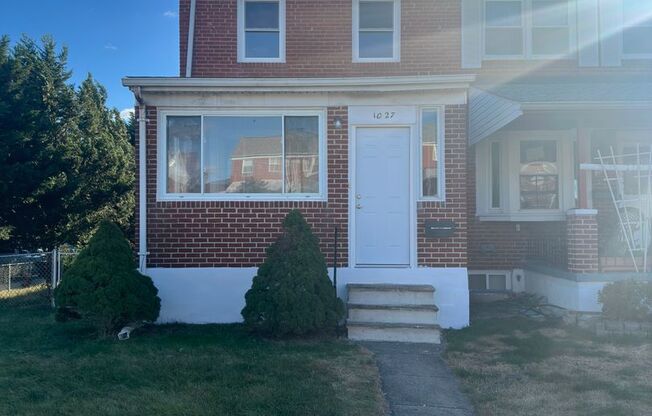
column 103, row 287
column 292, row 293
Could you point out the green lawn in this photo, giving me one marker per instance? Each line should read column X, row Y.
column 520, row 366
column 53, row 369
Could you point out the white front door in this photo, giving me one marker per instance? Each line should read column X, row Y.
column 381, row 196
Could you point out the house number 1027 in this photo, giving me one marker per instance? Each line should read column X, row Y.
column 386, row 115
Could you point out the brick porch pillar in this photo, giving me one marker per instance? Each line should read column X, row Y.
column 582, row 239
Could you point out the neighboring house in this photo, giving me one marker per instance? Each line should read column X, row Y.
column 446, row 140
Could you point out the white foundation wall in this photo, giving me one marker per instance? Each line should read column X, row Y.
column 216, row 295
column 568, row 294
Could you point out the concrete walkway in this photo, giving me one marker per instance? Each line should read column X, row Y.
column 416, row 380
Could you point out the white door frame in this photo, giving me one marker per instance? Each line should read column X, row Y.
column 413, row 174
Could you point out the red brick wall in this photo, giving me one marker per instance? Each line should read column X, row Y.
column 448, row 252
column 227, row 233
column 319, row 40
column 582, row 243
column 236, row 234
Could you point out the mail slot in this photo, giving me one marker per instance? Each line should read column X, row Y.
column 440, row 228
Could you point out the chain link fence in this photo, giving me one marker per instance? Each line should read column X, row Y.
column 29, row 279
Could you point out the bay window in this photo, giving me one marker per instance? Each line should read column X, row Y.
column 229, row 156
column 261, row 30
column 376, row 30
column 525, row 176
column 527, row 29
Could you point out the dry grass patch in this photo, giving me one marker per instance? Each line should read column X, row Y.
column 520, row 366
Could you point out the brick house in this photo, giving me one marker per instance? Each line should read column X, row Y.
column 449, row 142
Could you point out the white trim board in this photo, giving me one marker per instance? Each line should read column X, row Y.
column 400, row 83
column 289, row 100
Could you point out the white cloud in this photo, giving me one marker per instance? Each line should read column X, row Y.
column 170, row 14
column 110, row 47
column 126, row 113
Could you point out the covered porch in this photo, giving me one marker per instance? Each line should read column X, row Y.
column 563, row 189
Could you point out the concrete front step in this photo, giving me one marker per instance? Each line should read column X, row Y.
column 413, row 313
column 387, row 294
column 396, row 332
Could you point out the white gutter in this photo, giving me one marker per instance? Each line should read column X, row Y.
column 367, row 84
column 586, row 105
column 191, row 39
column 142, row 183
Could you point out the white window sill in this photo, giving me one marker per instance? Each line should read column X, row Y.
column 261, row 61
column 489, row 58
column 372, row 60
column 524, row 216
column 199, row 198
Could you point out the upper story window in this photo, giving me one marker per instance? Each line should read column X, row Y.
column 240, row 156
column 637, row 32
column 526, row 29
column 376, row 30
column 261, row 30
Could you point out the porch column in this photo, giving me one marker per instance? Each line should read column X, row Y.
column 582, row 241
column 583, row 177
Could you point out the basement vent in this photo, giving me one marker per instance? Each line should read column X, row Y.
column 489, row 281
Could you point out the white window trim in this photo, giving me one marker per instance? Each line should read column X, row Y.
column 441, row 151
column 632, row 56
column 241, row 34
column 397, row 34
column 527, row 26
column 161, row 166
column 510, row 207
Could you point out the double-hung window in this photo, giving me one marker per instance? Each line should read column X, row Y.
column 431, row 148
column 527, row 29
column 525, row 176
column 637, row 28
column 241, row 156
column 539, row 175
column 376, row 30
column 261, row 30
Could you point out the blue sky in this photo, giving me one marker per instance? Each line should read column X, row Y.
column 108, row 38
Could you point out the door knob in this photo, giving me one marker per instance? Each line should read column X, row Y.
column 358, row 196
column 358, row 206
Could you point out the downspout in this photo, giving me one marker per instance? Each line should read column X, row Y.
column 191, row 38
column 142, row 181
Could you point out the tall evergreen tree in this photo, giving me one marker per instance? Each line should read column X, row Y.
column 105, row 178
column 66, row 161
column 37, row 135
